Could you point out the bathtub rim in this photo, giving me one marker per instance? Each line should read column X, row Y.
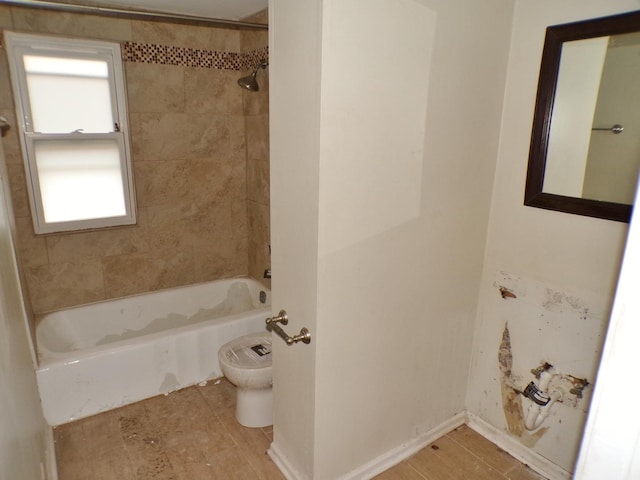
column 129, row 343
column 61, row 358
column 38, row 316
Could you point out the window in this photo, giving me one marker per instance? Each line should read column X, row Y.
column 72, row 119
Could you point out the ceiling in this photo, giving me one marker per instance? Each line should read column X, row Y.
column 222, row 9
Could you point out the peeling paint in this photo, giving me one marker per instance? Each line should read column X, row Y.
column 512, row 396
column 513, row 413
column 506, row 293
column 505, row 357
column 556, row 301
column 169, row 384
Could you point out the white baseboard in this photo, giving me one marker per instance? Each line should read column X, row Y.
column 387, row 460
column 283, row 464
column 378, row 464
column 51, row 468
column 514, row 448
column 404, row 451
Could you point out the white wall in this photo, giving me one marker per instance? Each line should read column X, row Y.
column 294, row 106
column 562, row 268
column 611, row 445
column 22, row 426
column 381, row 184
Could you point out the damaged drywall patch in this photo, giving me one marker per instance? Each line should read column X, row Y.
column 565, row 388
column 506, row 293
column 512, row 396
column 560, row 302
column 511, row 402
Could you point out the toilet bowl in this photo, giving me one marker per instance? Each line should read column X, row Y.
column 246, row 362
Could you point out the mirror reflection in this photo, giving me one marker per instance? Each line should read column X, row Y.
column 585, row 144
column 594, row 145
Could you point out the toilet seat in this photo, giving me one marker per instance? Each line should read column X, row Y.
column 248, row 352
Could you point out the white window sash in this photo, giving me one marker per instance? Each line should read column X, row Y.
column 18, row 45
column 34, row 179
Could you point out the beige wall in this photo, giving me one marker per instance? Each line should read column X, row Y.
column 561, row 268
column 256, row 117
column 189, row 163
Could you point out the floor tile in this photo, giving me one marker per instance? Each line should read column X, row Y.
column 192, row 434
column 493, row 455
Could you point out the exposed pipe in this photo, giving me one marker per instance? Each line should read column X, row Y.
column 151, row 15
column 537, row 413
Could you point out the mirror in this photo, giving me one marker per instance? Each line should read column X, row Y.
column 585, row 144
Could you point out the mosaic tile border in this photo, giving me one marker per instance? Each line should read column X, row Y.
column 192, row 57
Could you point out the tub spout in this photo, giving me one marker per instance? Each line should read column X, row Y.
column 267, row 273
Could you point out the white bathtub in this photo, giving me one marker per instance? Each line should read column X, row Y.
column 101, row 356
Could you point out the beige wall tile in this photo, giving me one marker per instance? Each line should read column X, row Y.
column 135, row 137
column 258, row 17
column 5, row 17
column 237, row 138
column 96, row 244
column 187, row 36
column 257, row 130
column 256, row 109
column 174, row 136
column 145, row 272
column 155, row 88
column 221, row 245
column 225, row 40
column 71, row 24
column 178, row 238
column 188, row 142
column 62, row 285
column 19, row 196
column 161, row 183
column 32, row 247
column 257, row 103
column 259, row 241
column 211, row 182
column 254, row 39
column 165, row 216
column 258, row 181
column 6, row 97
column 212, row 91
column 11, row 141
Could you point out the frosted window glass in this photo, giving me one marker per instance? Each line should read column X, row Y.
column 69, row 94
column 79, row 180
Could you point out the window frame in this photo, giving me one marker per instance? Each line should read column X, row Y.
column 19, row 45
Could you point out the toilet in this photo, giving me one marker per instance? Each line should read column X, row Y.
column 246, row 362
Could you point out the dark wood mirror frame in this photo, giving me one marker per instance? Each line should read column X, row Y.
column 555, row 36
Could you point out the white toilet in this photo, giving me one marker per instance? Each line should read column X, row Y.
column 246, row 362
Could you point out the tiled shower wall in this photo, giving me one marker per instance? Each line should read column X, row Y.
column 256, row 118
column 192, row 176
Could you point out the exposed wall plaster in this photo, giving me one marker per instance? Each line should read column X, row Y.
column 512, row 395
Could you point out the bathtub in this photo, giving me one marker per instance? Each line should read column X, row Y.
column 97, row 357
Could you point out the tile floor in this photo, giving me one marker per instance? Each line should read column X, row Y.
column 192, row 434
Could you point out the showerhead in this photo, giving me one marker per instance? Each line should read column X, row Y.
column 249, row 82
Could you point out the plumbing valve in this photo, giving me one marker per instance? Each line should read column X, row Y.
column 533, row 393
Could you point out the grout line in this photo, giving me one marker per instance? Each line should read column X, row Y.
column 418, row 472
column 502, row 476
